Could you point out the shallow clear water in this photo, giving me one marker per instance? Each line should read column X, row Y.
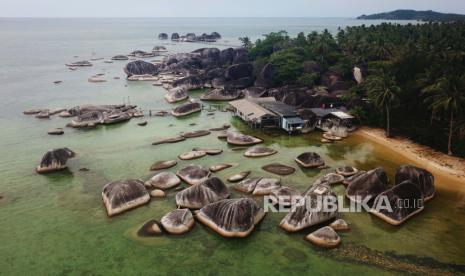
column 56, row 224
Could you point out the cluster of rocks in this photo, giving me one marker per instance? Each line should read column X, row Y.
column 191, row 37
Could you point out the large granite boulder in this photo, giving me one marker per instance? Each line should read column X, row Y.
column 55, row 160
column 122, row 195
column 178, row 222
column 241, row 83
column 247, row 185
column 213, row 73
column 140, row 67
column 310, row 212
column 284, row 196
column 265, row 78
column 190, row 82
column 227, row 56
column 238, row 71
column 241, row 55
column 176, row 94
column 193, row 174
column 310, row 160
column 199, row 195
column 278, row 169
column 399, row 203
column 422, row 178
column 368, row 185
column 186, row 109
column 253, row 92
column 215, row 35
column 346, row 171
column 116, row 116
column 220, row 95
column 218, row 82
column 232, row 218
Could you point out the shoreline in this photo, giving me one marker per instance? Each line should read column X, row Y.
column 442, row 166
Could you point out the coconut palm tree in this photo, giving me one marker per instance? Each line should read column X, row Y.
column 446, row 95
column 383, row 92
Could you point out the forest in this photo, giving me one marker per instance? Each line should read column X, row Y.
column 413, row 75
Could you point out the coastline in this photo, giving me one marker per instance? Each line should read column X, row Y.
column 447, row 169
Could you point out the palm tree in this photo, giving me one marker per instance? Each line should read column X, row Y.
column 383, row 92
column 446, row 95
column 246, row 42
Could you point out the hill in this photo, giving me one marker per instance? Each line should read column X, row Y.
column 415, row 15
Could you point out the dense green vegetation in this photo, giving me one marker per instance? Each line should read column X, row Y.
column 414, row 75
column 414, row 15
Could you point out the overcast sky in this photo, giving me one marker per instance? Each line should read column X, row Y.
column 217, row 8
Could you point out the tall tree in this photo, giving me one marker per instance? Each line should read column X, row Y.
column 447, row 95
column 383, row 92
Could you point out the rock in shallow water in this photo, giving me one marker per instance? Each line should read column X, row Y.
column 157, row 193
column 324, row 237
column 220, row 167
column 192, row 155
column 140, row 67
column 231, row 218
column 310, row 160
column 422, row 178
column 239, row 176
column 55, row 160
column 346, row 171
column 150, row 228
column 241, row 139
column 123, row 195
column 193, row 174
column 161, row 165
column 368, row 185
column 278, row 169
column 163, row 181
column 259, row 151
column 174, row 139
column 197, row 196
column 404, row 201
column 186, row 109
column 307, row 213
column 178, row 222
column 56, row 131
column 340, row 225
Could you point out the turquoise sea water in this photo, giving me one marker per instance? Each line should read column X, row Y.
column 56, row 224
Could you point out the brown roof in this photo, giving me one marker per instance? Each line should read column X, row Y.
column 251, row 108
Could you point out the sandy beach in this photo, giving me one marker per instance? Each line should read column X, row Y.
column 445, row 167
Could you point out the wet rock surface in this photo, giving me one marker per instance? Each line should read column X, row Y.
column 55, row 160
column 199, row 195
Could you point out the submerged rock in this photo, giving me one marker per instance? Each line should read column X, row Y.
column 404, row 199
column 140, row 67
column 193, row 174
column 310, row 212
column 174, row 139
column 150, row 228
column 123, row 195
column 340, row 225
column 186, row 109
column 192, row 155
column 241, row 139
column 310, row 160
column 120, row 57
column 367, row 185
column 161, row 165
column 163, row 181
column 56, row 131
column 346, row 171
column 197, row 196
column 231, row 218
column 176, row 94
column 278, row 169
column 422, row 178
column 239, row 176
column 178, row 222
column 83, row 63
column 220, row 167
column 55, row 160
column 144, row 123
column 259, row 151
column 197, row 133
column 324, row 237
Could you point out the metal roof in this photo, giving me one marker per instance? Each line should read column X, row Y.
column 280, row 108
column 250, row 108
column 294, row 120
column 321, row 112
column 342, row 115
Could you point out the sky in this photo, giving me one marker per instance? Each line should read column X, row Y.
column 217, row 8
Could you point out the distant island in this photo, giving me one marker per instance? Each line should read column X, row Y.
column 414, row 15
